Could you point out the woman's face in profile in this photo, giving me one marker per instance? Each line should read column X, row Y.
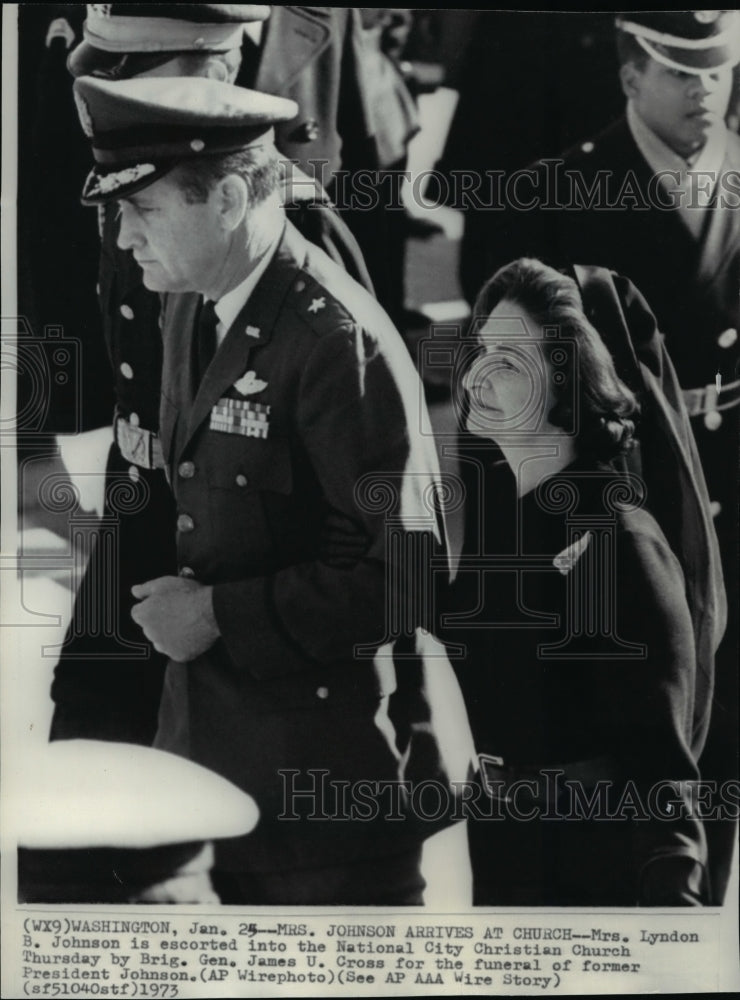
column 509, row 384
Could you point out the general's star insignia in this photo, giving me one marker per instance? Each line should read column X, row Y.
column 248, row 384
column 317, row 304
column 252, row 331
column 566, row 560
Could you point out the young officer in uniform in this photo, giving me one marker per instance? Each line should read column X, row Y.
column 108, row 681
column 287, row 398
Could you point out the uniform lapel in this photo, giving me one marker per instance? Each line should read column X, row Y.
column 252, row 328
column 656, row 235
column 294, row 36
column 721, row 232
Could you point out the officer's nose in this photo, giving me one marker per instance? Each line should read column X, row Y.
column 702, row 84
column 129, row 233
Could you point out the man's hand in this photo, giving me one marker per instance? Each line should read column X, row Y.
column 176, row 616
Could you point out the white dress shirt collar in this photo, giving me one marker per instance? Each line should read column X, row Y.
column 231, row 304
column 690, row 183
column 660, row 156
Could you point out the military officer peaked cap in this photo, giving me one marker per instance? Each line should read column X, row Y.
column 86, row 793
column 140, row 129
column 692, row 41
column 112, row 30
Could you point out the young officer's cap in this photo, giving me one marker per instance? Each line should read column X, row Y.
column 692, row 41
column 89, row 793
column 140, row 129
column 113, row 30
column 117, row 823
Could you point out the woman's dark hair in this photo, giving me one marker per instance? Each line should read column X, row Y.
column 607, row 409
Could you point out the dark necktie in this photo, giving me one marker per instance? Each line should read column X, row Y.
column 206, row 338
column 251, row 53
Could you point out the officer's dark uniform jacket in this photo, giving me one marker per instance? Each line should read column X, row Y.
column 313, row 55
column 284, row 688
column 107, row 686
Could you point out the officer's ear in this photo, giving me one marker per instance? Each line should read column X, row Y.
column 232, row 200
column 630, row 76
column 216, row 69
column 223, row 66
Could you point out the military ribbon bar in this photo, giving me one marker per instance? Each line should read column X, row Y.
column 240, row 416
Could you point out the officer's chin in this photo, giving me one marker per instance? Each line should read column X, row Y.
column 155, row 282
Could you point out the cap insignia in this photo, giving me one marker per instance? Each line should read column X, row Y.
column 106, row 183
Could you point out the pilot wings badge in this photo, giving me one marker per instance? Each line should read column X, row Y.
column 249, row 384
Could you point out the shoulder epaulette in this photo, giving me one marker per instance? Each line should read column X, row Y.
column 316, row 305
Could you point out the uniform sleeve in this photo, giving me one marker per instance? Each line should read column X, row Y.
column 353, row 417
column 651, row 714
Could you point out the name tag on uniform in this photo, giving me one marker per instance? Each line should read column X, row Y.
column 240, row 416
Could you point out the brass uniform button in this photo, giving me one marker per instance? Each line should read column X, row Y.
column 712, row 420
column 309, row 130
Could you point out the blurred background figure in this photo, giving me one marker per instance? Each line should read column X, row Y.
column 529, row 85
column 59, row 247
column 393, row 122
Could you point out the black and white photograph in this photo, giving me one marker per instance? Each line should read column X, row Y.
column 369, row 441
